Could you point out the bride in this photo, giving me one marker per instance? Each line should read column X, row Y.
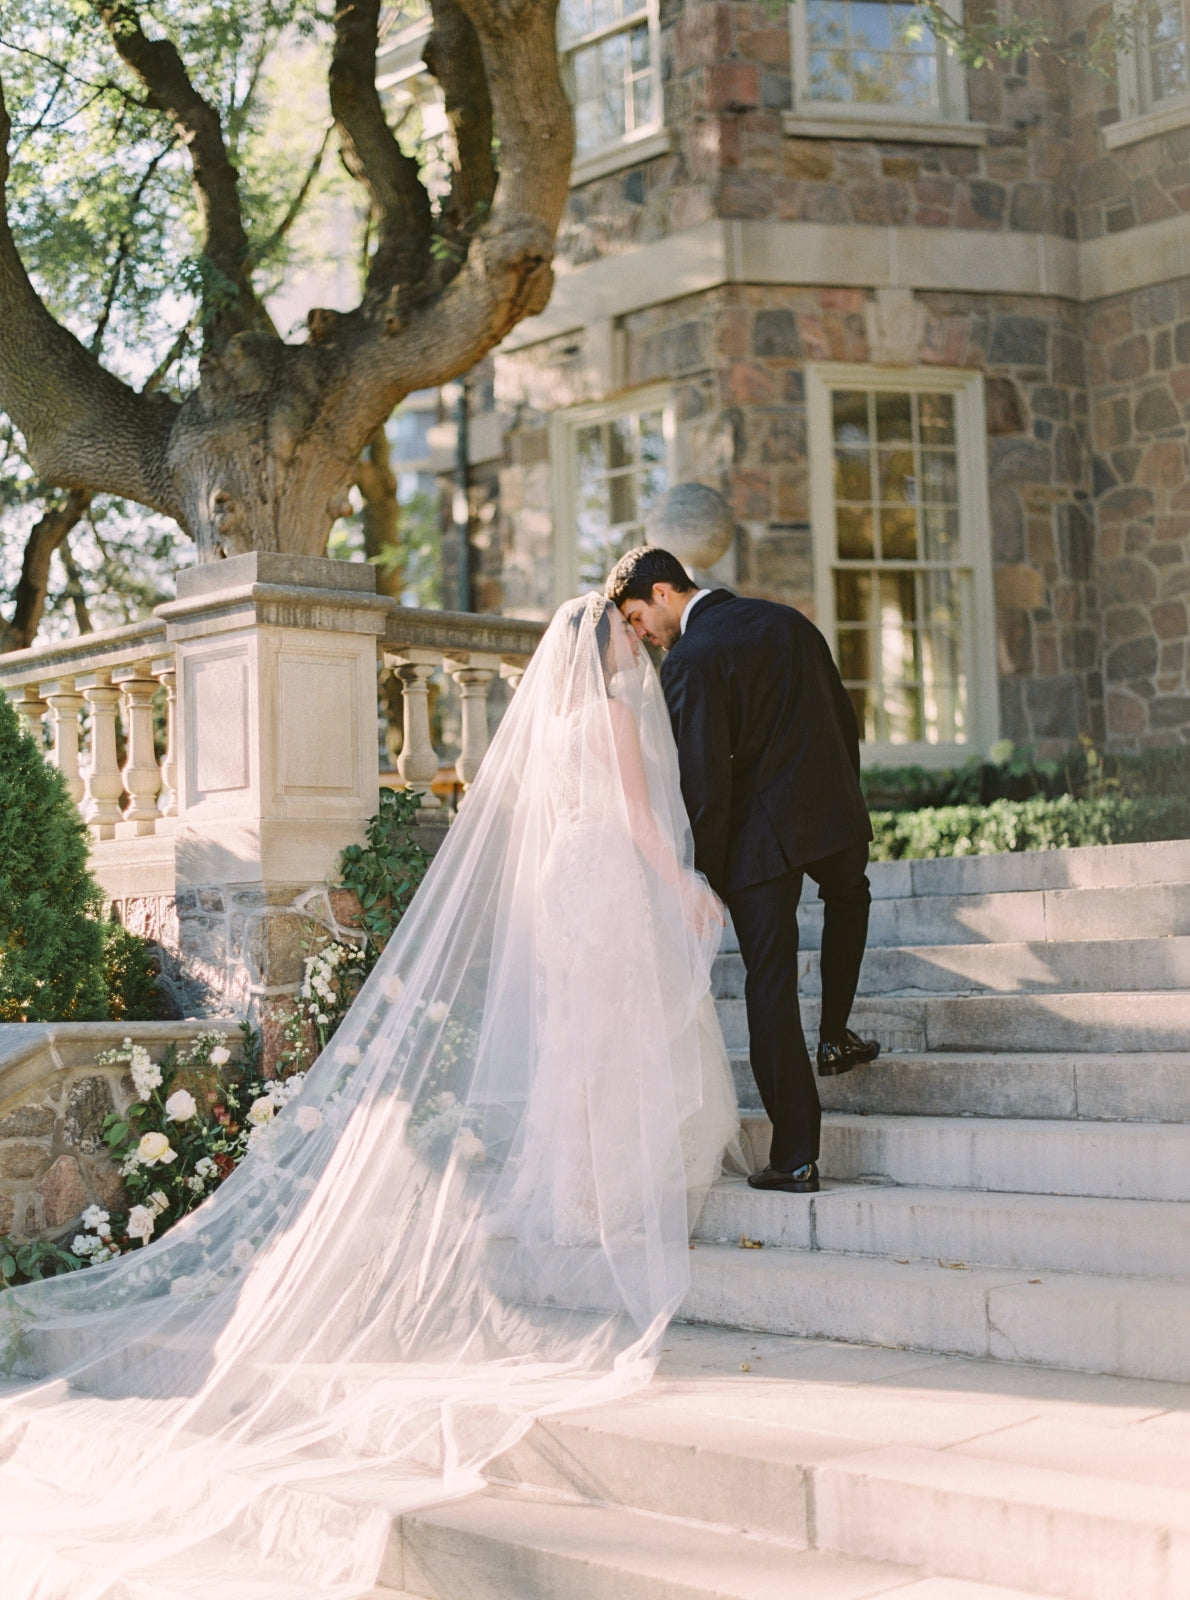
column 476, row 1212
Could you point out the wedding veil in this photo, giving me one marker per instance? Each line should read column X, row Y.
column 474, row 1213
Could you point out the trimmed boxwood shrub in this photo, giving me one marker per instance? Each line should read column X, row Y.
column 1036, row 824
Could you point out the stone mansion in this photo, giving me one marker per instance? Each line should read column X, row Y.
column 926, row 329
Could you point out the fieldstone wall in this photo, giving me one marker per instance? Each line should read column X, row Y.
column 727, row 75
column 1138, row 353
column 53, row 1100
column 734, row 361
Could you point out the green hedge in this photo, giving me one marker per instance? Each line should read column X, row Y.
column 1036, row 824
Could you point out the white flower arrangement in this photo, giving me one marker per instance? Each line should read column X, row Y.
column 181, row 1106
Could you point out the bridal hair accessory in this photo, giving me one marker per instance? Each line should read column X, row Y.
column 474, row 1211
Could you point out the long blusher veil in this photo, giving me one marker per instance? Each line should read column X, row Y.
column 475, row 1213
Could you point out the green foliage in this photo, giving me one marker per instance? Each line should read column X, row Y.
column 1036, row 824
column 193, row 1121
column 386, row 872
column 130, row 972
column 26, row 1261
column 51, row 938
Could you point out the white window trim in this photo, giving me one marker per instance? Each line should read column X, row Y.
column 563, row 427
column 596, row 162
column 974, row 530
column 952, row 86
column 1138, row 121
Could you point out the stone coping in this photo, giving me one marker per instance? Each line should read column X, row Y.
column 31, row 1051
column 109, row 647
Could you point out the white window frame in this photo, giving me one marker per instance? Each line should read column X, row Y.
column 564, row 426
column 952, row 84
column 1140, row 118
column 628, row 147
column 975, row 540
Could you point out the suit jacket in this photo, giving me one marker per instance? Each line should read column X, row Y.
column 768, row 743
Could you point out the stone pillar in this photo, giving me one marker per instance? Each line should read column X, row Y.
column 105, row 784
column 65, row 705
column 142, row 775
column 277, row 763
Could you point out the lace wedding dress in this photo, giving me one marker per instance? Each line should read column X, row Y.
column 476, row 1212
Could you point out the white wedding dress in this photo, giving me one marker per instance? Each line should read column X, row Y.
column 476, row 1212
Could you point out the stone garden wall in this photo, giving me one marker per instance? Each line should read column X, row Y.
column 53, row 1099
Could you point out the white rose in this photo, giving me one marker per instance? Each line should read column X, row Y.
column 141, row 1223
column 219, row 1056
column 393, row 988
column 307, row 1118
column 348, row 1055
column 470, row 1147
column 262, row 1110
column 437, row 1012
column 181, row 1106
column 242, row 1252
column 182, row 1285
column 159, row 1201
column 154, row 1148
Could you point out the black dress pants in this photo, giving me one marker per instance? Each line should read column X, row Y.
column 765, row 919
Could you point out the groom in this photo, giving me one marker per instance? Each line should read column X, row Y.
column 769, row 753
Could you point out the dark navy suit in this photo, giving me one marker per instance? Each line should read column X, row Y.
column 769, row 752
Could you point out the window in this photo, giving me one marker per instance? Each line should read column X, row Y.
column 611, row 464
column 610, row 54
column 900, row 534
column 874, row 58
column 1154, row 75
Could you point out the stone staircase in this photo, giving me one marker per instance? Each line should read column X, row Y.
column 961, row 1371
column 1012, row 1180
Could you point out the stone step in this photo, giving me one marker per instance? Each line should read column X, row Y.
column 1152, row 1021
column 1158, row 910
column 1008, row 1155
column 1133, row 1327
column 1150, row 1087
column 503, row 1545
column 1062, row 1233
column 1014, row 872
column 753, row 1430
column 1084, row 966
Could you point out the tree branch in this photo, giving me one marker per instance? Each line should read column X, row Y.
column 263, row 251
column 123, row 250
column 50, row 531
column 160, row 68
column 373, row 156
column 83, row 428
column 454, row 56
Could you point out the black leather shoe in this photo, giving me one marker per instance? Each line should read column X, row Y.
column 843, row 1054
column 803, row 1181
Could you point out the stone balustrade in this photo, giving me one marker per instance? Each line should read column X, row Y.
column 222, row 851
column 113, row 676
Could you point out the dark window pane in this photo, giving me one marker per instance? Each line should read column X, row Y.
column 894, row 418
column 898, row 534
column 897, row 480
column 853, row 527
column 853, row 480
column 853, row 596
column 855, row 654
column 849, row 416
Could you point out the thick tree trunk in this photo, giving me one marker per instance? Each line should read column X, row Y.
column 261, row 453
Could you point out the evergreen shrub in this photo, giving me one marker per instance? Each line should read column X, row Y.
column 51, row 935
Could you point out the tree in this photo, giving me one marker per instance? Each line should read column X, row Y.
column 51, row 941
column 259, row 452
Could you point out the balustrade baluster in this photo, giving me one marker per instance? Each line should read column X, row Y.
column 512, row 672
column 31, row 708
column 418, row 761
column 65, row 703
column 104, row 783
column 165, row 673
column 142, row 775
column 472, row 676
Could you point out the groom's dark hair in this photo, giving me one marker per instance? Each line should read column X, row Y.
column 633, row 576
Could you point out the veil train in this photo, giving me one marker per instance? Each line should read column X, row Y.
column 475, row 1212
